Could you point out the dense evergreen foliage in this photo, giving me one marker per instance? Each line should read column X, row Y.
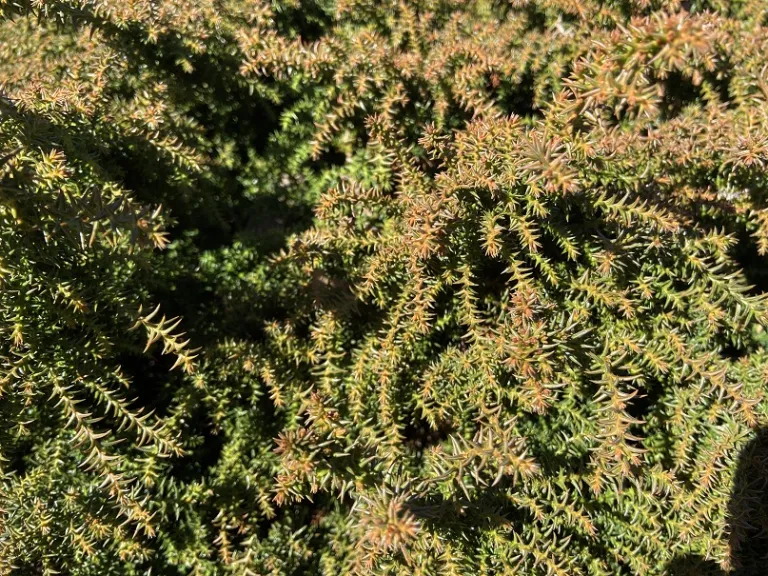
column 402, row 287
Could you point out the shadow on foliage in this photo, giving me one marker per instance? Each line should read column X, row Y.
column 747, row 519
column 236, row 124
column 225, row 226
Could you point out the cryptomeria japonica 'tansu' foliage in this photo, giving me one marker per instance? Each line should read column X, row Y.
column 404, row 287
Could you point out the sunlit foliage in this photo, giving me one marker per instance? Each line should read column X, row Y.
column 359, row 287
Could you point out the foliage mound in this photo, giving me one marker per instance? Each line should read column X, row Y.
column 404, row 287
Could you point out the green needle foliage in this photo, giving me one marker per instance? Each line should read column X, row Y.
column 392, row 288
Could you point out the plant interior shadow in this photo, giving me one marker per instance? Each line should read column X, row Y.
column 747, row 519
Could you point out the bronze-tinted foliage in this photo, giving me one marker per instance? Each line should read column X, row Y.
column 531, row 289
column 517, row 337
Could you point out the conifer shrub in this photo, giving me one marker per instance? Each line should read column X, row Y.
column 72, row 241
column 79, row 452
column 456, row 287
